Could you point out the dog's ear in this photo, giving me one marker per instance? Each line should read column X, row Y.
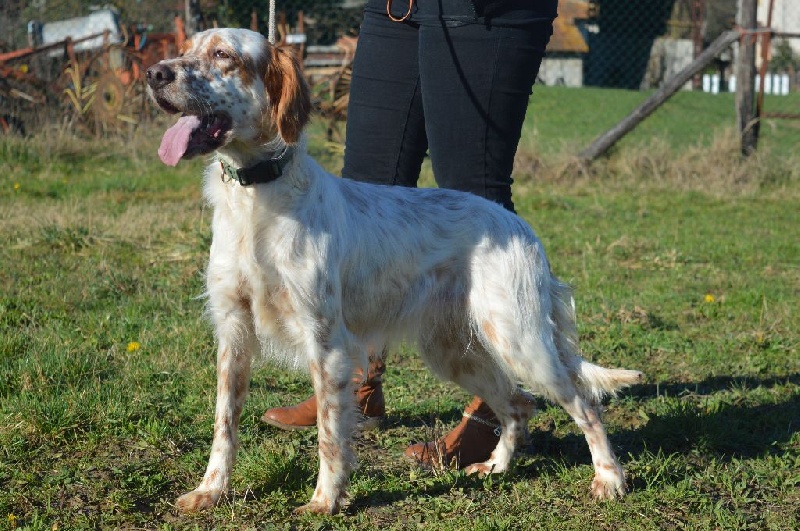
column 289, row 95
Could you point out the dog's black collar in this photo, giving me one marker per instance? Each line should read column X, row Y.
column 265, row 171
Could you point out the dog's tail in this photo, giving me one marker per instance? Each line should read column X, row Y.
column 594, row 381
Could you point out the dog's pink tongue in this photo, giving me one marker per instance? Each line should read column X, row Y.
column 176, row 140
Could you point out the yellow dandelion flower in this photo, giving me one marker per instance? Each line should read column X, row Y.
column 16, row 186
column 12, row 520
column 709, row 298
column 133, row 346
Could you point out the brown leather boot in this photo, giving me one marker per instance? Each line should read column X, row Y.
column 369, row 399
column 472, row 441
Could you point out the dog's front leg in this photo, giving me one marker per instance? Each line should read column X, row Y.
column 332, row 376
column 236, row 345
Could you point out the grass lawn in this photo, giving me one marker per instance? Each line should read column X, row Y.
column 561, row 116
column 107, row 363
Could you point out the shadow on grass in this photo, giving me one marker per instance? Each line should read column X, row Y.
column 709, row 385
column 718, row 427
column 691, row 420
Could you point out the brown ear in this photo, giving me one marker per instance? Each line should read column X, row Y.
column 288, row 93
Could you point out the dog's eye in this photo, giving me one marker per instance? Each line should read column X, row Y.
column 221, row 54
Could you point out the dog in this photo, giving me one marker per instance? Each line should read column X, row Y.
column 323, row 273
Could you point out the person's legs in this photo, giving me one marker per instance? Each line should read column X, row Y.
column 386, row 141
column 476, row 81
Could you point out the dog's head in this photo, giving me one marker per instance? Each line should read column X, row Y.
column 235, row 93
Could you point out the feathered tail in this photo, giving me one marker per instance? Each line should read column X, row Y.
column 594, row 381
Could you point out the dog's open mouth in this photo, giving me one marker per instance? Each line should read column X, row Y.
column 192, row 136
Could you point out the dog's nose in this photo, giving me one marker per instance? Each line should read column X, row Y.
column 159, row 75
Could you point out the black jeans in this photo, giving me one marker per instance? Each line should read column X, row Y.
column 457, row 91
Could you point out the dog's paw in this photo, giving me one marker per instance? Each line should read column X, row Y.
column 482, row 469
column 608, row 489
column 197, row 500
column 313, row 507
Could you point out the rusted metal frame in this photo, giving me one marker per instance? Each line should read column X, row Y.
column 766, row 46
column 24, row 52
column 766, row 43
column 698, row 15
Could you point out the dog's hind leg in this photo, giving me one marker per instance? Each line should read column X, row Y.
column 332, row 376
column 609, row 478
column 578, row 385
column 550, row 376
column 237, row 343
column 465, row 362
column 537, row 344
column 513, row 408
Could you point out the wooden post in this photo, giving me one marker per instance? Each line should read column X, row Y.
column 610, row 137
column 698, row 19
column 301, row 30
column 69, row 48
column 191, row 27
column 745, row 78
column 180, row 37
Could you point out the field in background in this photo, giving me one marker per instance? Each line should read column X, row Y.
column 571, row 118
column 686, row 265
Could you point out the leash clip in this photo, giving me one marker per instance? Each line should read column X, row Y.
column 404, row 17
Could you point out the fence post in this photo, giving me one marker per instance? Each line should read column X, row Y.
column 745, row 78
column 191, row 26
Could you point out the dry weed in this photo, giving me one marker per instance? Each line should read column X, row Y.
column 717, row 169
column 56, row 143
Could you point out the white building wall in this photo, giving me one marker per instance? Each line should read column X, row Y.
column 561, row 71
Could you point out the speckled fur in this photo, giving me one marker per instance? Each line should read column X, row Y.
column 320, row 271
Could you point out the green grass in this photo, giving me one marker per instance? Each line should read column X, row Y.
column 102, row 251
column 571, row 117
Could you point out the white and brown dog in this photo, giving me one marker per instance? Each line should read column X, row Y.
column 325, row 272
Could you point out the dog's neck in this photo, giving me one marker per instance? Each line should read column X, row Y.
column 265, row 167
column 264, row 171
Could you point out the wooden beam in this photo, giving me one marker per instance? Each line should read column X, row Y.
column 602, row 143
column 746, row 118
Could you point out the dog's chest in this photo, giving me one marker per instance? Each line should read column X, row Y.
column 248, row 259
